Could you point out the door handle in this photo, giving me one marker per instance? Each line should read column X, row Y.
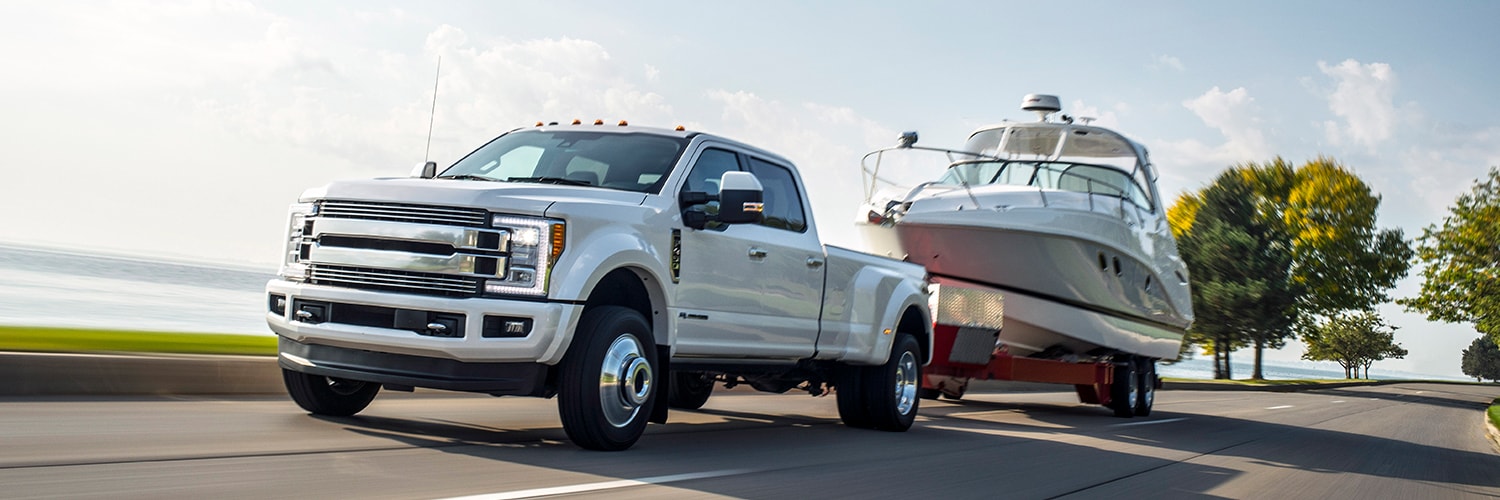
column 814, row 262
column 757, row 253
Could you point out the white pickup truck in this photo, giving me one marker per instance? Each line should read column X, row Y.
column 622, row 269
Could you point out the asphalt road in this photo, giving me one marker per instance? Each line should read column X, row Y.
column 1397, row 441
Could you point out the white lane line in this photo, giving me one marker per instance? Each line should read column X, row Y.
column 605, row 485
column 1150, row 422
column 1282, row 407
column 1337, row 401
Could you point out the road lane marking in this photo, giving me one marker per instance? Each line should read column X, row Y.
column 605, row 485
column 1282, row 407
column 1150, row 422
column 1337, row 401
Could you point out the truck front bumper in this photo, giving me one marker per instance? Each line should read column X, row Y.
column 468, row 330
column 500, row 379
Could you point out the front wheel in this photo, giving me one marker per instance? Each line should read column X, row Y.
column 330, row 396
column 608, row 379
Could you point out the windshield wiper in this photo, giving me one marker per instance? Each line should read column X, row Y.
column 469, row 177
column 551, row 180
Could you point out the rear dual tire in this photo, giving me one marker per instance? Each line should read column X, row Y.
column 883, row 397
column 1133, row 392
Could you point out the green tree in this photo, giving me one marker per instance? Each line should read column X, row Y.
column 1343, row 262
column 1481, row 359
column 1353, row 340
column 1316, row 250
column 1240, row 279
column 1461, row 262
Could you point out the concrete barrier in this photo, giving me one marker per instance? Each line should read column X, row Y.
column 33, row 374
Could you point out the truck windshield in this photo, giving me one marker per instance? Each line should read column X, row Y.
column 629, row 162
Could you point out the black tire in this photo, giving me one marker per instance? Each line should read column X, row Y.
column 891, row 389
column 1123, row 393
column 607, row 379
column 1145, row 370
column 335, row 397
column 689, row 390
column 926, row 393
column 849, row 384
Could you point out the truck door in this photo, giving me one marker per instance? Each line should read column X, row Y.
column 749, row 290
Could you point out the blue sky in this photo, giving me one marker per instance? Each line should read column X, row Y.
column 184, row 128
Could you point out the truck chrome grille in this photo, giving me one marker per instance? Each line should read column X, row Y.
column 392, row 280
column 403, row 212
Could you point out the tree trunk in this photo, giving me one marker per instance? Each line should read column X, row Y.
column 1260, row 348
column 1228, row 374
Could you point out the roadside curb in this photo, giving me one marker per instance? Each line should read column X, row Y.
column 1491, row 432
column 56, row 374
column 1215, row 386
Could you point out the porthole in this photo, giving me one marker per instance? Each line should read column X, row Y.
column 1103, row 264
column 1118, row 271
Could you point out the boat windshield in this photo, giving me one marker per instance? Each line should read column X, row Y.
column 1063, row 176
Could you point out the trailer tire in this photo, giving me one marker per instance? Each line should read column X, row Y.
column 1146, row 385
column 891, row 389
column 849, row 386
column 689, row 390
column 926, row 393
column 330, row 396
column 1124, row 392
column 608, row 382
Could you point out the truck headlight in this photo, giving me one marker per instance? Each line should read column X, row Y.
column 292, row 267
column 535, row 243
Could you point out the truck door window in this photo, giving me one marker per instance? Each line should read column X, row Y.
column 710, row 167
column 783, row 202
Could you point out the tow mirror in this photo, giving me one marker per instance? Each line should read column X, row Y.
column 425, row 171
column 740, row 198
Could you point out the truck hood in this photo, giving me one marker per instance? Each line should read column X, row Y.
column 516, row 198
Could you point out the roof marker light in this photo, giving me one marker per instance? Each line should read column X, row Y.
column 680, row 128
column 599, row 121
column 577, row 121
column 622, row 123
column 538, row 124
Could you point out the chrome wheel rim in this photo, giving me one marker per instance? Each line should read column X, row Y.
column 625, row 380
column 906, row 383
column 1148, row 391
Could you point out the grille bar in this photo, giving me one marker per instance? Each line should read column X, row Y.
column 385, row 279
column 403, row 212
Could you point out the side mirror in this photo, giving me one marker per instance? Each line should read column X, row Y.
column 740, row 198
column 425, row 171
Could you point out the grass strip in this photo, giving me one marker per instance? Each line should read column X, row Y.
column 1495, row 413
column 83, row 340
column 1265, row 383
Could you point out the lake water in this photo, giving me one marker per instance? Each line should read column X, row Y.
column 51, row 287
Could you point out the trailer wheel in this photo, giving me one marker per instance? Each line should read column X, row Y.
column 926, row 393
column 689, row 390
column 1146, row 373
column 330, row 396
column 891, row 389
column 849, row 384
column 1124, row 392
column 608, row 380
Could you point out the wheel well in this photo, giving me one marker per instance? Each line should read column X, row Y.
column 625, row 288
column 915, row 323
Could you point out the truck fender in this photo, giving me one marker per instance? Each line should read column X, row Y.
column 600, row 254
column 905, row 296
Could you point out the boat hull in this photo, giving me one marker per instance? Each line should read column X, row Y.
column 1092, row 285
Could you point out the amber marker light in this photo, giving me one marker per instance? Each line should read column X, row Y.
column 577, row 121
column 622, row 123
column 680, row 128
column 559, row 233
column 599, row 121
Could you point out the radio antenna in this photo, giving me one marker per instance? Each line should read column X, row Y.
column 426, row 155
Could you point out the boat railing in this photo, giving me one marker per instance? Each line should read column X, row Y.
column 1093, row 188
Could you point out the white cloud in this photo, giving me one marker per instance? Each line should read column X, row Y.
column 1166, row 61
column 1235, row 116
column 1363, row 100
column 1101, row 118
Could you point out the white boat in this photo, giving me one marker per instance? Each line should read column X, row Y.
column 1062, row 217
